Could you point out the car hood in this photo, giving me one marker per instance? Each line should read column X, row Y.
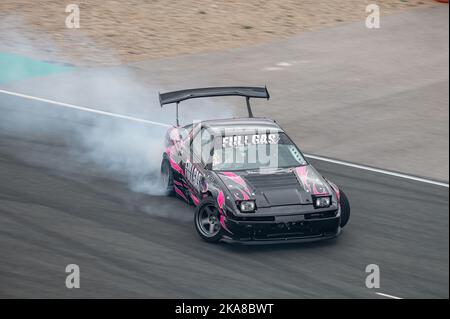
column 279, row 187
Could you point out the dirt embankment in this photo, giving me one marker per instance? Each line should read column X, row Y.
column 115, row 31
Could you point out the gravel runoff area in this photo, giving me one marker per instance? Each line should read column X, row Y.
column 114, row 32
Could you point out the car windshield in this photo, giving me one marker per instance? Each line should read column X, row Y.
column 255, row 151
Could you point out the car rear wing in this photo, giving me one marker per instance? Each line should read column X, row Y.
column 247, row 92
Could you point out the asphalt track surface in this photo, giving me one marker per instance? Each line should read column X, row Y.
column 57, row 210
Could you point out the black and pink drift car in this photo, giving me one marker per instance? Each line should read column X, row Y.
column 248, row 180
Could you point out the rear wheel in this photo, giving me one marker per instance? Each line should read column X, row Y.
column 345, row 209
column 207, row 221
column 167, row 177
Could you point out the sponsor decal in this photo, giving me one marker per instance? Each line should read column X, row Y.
column 194, row 176
column 255, row 139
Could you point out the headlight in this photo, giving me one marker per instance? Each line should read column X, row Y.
column 322, row 201
column 247, row 206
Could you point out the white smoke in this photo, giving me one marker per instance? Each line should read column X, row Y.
column 121, row 149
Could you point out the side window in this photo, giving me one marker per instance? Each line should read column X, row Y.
column 206, row 137
column 201, row 145
column 207, row 147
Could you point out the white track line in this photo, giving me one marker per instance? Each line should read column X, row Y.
column 387, row 296
column 130, row 118
column 377, row 170
column 85, row 109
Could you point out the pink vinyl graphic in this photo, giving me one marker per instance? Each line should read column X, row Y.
column 302, row 174
column 220, row 200
column 178, row 183
column 242, row 186
column 179, row 192
column 310, row 181
column 174, row 136
column 175, row 166
column 222, row 223
column 195, row 199
column 336, row 190
column 319, row 189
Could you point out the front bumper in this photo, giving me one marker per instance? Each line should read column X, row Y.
column 282, row 229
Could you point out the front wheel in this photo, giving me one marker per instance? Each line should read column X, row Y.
column 345, row 209
column 207, row 221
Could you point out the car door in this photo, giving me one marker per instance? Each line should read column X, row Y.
column 200, row 150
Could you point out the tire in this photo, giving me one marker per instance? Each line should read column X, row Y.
column 207, row 221
column 345, row 209
column 167, row 177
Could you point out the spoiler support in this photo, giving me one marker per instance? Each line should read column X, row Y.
column 176, row 107
column 247, row 92
column 249, row 108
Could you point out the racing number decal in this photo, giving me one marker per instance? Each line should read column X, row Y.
column 193, row 175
